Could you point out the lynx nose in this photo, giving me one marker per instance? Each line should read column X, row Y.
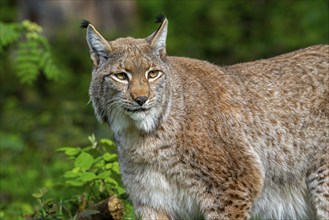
column 140, row 100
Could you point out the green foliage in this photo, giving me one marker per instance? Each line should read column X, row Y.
column 35, row 116
column 94, row 176
column 227, row 32
column 96, row 166
column 33, row 50
column 9, row 34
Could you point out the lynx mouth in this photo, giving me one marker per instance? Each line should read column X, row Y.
column 137, row 114
column 136, row 110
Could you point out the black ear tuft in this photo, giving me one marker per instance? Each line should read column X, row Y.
column 160, row 18
column 84, row 24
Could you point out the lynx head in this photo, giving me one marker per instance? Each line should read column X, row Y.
column 129, row 79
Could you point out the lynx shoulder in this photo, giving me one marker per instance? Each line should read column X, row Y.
column 196, row 140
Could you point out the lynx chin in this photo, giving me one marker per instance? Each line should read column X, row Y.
column 200, row 141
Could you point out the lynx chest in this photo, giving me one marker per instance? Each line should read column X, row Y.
column 150, row 177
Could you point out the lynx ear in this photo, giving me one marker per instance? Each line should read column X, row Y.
column 98, row 46
column 157, row 40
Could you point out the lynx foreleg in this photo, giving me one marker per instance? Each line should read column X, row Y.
column 230, row 208
column 318, row 185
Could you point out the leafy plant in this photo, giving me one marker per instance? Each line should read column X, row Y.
column 94, row 177
column 33, row 51
column 95, row 166
column 47, row 205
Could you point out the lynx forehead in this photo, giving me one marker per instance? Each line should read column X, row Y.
column 196, row 140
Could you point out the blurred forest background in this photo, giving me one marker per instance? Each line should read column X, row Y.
column 42, row 114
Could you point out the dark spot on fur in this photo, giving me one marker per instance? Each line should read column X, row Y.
column 208, row 189
column 221, row 209
column 320, row 171
column 318, row 191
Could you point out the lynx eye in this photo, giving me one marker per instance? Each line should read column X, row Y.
column 153, row 74
column 120, row 76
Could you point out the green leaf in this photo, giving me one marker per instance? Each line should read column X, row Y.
column 129, row 210
column 104, row 175
column 9, row 34
column 44, row 190
column 31, row 26
column 37, row 195
column 112, row 181
column 70, row 151
column 92, row 140
column 120, row 190
column 99, row 163
column 40, row 194
column 108, row 166
column 87, row 176
column 116, row 167
column 98, row 159
column 71, row 174
column 110, row 157
column 84, row 161
column 85, row 149
column 108, row 142
column 74, row 182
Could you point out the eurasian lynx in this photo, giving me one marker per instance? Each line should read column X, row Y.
column 200, row 141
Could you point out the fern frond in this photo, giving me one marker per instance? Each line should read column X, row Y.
column 9, row 33
column 27, row 59
column 50, row 70
column 33, row 50
column 27, row 72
